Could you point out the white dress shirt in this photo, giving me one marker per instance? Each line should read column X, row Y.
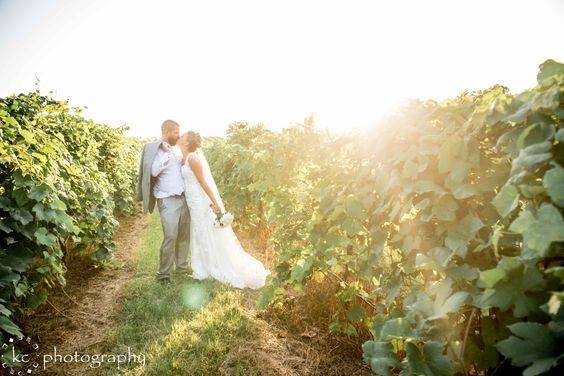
column 166, row 167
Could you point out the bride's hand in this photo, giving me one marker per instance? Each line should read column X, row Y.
column 165, row 146
column 216, row 208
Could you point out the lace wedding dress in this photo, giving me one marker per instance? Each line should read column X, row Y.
column 216, row 252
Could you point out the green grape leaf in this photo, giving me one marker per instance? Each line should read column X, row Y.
column 301, row 269
column 409, row 170
column 459, row 171
column 392, row 291
column 506, row 200
column 34, row 301
column 539, row 231
column 350, row 330
column 538, row 148
column 445, row 301
column 429, row 362
column 423, row 305
column 352, row 226
column 5, row 227
column 43, row 236
column 23, row 216
column 353, row 208
column 4, row 311
column 445, row 208
column 528, row 162
column 28, row 136
column 436, row 259
column 380, row 356
column 268, row 294
column 17, row 260
column 559, row 136
column 451, row 304
column 7, row 276
column 553, row 182
column 58, row 205
column 423, row 186
column 396, row 328
column 463, row 273
column 20, row 195
column 356, row 314
column 534, row 345
column 9, row 327
column 534, row 134
column 65, row 221
column 460, row 234
column 465, row 191
column 423, row 204
column 548, row 69
column 39, row 192
column 40, row 212
column 508, row 141
column 531, row 190
column 510, row 284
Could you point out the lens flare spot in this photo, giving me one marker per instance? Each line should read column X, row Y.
column 195, row 296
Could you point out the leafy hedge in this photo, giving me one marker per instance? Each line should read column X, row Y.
column 62, row 179
column 443, row 227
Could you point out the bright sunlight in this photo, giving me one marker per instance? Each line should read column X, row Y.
column 209, row 63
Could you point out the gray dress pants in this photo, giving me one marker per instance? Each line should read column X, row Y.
column 175, row 220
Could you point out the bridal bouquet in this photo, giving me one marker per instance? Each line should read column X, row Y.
column 223, row 220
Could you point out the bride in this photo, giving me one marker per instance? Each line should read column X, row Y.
column 215, row 251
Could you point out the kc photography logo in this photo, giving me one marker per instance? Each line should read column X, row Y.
column 20, row 357
column 15, row 360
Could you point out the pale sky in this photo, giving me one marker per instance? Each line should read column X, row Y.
column 209, row 63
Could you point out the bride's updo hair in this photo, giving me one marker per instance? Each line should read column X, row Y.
column 193, row 140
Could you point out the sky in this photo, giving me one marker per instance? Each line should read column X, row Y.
column 208, row 63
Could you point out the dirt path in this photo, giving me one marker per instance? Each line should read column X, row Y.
column 288, row 341
column 79, row 317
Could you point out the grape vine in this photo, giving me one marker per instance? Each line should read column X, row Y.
column 62, row 180
column 442, row 227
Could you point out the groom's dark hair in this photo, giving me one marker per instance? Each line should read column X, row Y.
column 168, row 124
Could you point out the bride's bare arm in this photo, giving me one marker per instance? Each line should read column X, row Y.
column 196, row 166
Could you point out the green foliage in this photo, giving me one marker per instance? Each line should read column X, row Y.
column 534, row 346
column 442, row 227
column 380, row 356
column 62, row 178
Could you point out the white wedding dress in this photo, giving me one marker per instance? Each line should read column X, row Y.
column 215, row 251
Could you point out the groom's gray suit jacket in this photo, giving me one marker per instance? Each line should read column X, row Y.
column 146, row 181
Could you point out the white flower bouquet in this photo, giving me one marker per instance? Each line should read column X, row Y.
column 223, row 220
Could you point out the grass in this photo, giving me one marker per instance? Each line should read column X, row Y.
column 188, row 327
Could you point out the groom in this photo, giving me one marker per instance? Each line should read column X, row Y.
column 160, row 180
